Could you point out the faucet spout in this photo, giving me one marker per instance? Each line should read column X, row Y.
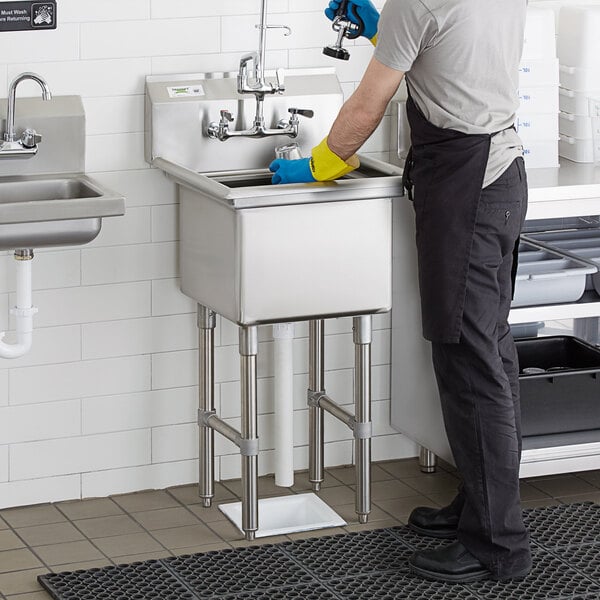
column 9, row 135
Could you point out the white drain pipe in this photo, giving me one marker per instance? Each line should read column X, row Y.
column 23, row 310
column 283, row 358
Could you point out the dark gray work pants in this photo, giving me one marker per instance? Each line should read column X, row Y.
column 479, row 387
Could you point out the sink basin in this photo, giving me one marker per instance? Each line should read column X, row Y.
column 44, row 211
column 258, row 253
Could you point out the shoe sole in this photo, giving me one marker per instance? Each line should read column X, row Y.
column 448, row 578
column 448, row 534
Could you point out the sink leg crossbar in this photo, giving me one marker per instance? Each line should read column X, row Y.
column 318, row 402
column 359, row 422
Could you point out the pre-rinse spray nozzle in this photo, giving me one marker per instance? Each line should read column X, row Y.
column 345, row 28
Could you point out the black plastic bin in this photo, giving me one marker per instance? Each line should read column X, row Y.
column 560, row 385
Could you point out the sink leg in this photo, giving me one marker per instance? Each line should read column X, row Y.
column 427, row 460
column 206, row 389
column 248, row 352
column 362, row 329
column 316, row 376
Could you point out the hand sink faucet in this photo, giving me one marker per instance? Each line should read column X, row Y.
column 257, row 85
column 26, row 145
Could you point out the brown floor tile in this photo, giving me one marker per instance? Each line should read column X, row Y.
column 528, row 492
column 273, row 539
column 565, row 485
column 123, row 545
column 446, row 466
column 71, row 552
column 540, row 502
column 337, row 496
column 89, row 509
column 402, row 507
column 302, row 484
column 226, row 530
column 592, row 477
column 347, row 475
column 201, row 549
column 185, row 537
column 386, row 490
column 55, row 533
column 127, row 560
column 433, row 483
column 17, row 560
column 10, row 541
column 32, row 596
column 83, row 566
column 188, row 494
column 21, row 582
column 165, row 518
column 588, row 497
column 28, row 516
column 442, row 498
column 348, row 513
column 108, row 526
column 372, row 525
column 209, row 515
column 266, row 487
column 408, row 467
column 141, row 501
column 306, row 535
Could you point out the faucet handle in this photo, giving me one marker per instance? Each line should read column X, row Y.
column 30, row 138
column 280, row 75
column 303, row 112
column 226, row 117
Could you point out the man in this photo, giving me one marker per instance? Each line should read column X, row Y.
column 467, row 179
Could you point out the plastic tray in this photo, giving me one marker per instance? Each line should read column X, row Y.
column 564, row 394
column 580, row 79
column 576, row 103
column 546, row 276
column 578, row 126
column 575, row 149
column 582, row 244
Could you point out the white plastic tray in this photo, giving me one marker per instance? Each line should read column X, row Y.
column 576, row 103
column 287, row 514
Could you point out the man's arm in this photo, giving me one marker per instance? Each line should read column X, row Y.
column 358, row 118
column 363, row 111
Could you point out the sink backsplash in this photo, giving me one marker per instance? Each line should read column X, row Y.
column 61, row 122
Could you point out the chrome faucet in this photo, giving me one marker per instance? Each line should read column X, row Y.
column 26, row 146
column 259, row 87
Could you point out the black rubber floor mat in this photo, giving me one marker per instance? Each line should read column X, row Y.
column 356, row 566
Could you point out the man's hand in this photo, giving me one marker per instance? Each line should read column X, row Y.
column 366, row 11
column 291, row 171
column 323, row 165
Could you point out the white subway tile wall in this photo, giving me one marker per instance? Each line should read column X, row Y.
column 106, row 400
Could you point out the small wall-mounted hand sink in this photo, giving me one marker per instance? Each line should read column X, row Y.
column 40, row 211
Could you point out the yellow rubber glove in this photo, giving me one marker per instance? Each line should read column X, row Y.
column 326, row 165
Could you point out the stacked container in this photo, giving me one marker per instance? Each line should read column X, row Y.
column 537, row 117
column 578, row 51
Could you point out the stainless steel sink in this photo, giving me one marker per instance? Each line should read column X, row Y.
column 41, row 211
column 258, row 253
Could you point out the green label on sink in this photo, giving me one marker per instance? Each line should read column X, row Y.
column 185, row 91
column 27, row 15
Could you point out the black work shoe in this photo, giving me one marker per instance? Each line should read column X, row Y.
column 433, row 522
column 452, row 563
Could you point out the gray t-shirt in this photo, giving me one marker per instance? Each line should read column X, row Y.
column 461, row 59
